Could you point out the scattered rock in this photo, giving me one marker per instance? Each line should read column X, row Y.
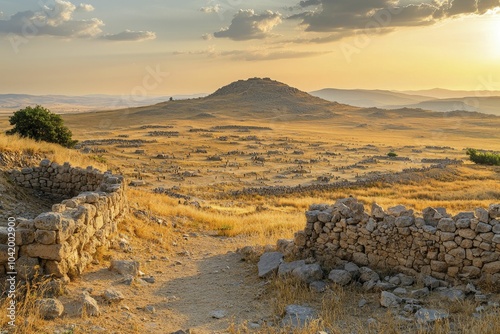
column 388, row 299
column 269, row 263
column 308, row 273
column 452, row 295
column 218, row 314
column 150, row 309
column 340, row 277
column 420, row 293
column 125, row 267
column 90, row 306
column 288, row 267
column 431, row 282
column 149, row 279
column 318, row 286
column 400, row 291
column 367, row 274
column 353, row 269
column 50, row 308
column 427, row 316
column 113, row 296
column 298, row 316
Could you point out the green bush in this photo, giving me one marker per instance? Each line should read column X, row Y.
column 40, row 124
column 483, row 158
column 392, row 154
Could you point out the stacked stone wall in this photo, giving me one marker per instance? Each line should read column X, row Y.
column 64, row 241
column 465, row 246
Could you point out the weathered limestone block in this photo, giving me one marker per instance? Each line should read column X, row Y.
column 49, row 221
column 24, row 236
column 48, row 252
column 45, row 237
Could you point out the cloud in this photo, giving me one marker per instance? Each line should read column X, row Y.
column 207, row 37
column 211, row 9
column 252, row 55
column 247, row 25
column 134, row 36
column 308, row 3
column 348, row 17
column 58, row 21
column 85, row 8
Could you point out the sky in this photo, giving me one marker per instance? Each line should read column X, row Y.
column 170, row 47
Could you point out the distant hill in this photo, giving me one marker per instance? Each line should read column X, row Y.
column 68, row 104
column 368, row 98
column 439, row 93
column 462, row 100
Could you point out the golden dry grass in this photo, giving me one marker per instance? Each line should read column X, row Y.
column 50, row 151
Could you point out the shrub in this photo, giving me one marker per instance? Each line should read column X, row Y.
column 483, row 158
column 392, row 154
column 41, row 124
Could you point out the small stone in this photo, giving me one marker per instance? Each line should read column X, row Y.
column 420, row 293
column 149, row 279
column 318, row 286
column 362, row 302
column 298, row 316
column 406, row 280
column 340, row 277
column 427, row 316
column 125, row 267
column 90, row 306
column 478, row 297
column 367, row 274
column 50, row 308
column 288, row 267
column 219, row 314
column 452, row 295
column 150, row 309
column 388, row 299
column 400, row 291
column 353, row 269
column 113, row 296
column 431, row 282
column 308, row 273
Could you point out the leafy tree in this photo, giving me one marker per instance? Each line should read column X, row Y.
column 41, row 124
column 483, row 158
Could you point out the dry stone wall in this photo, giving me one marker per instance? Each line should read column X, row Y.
column 63, row 242
column 461, row 247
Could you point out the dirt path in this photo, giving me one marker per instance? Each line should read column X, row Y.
column 202, row 276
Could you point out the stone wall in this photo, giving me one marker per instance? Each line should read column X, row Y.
column 63, row 242
column 463, row 247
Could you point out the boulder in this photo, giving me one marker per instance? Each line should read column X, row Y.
column 90, row 306
column 124, row 267
column 50, row 308
column 288, row 267
column 113, row 296
column 366, row 274
column 388, row 299
column 308, row 273
column 340, row 277
column 428, row 316
column 269, row 263
column 297, row 316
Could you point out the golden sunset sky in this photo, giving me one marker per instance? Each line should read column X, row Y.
column 164, row 47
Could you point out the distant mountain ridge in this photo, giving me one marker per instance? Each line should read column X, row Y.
column 66, row 104
column 462, row 101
